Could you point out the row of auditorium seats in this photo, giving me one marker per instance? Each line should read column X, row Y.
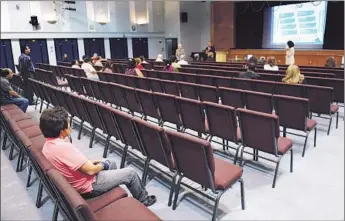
column 170, row 148
column 326, row 74
column 172, row 108
column 25, row 135
column 205, row 78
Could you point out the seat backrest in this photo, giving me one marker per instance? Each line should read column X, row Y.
column 120, row 79
column 295, row 90
column 91, row 109
column 87, row 86
column 244, row 84
column 151, row 138
column 320, row 98
column 292, row 111
column 70, row 197
column 155, row 85
column 95, row 90
column 208, row 93
column 102, row 76
column 192, row 114
column 132, row 100
column 82, row 114
column 131, row 81
column 189, row 90
column 338, row 88
column 264, row 86
column 221, row 81
column 126, row 129
column 206, row 80
column 68, row 102
column 148, row 103
column 167, row 107
column 163, row 75
column 221, row 121
column 258, row 101
column 232, row 97
column 170, row 87
column 259, row 130
column 104, row 89
column 110, row 126
column 186, row 147
column 143, row 84
column 191, row 78
column 119, row 98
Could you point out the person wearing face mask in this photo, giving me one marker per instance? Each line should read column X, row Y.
column 90, row 178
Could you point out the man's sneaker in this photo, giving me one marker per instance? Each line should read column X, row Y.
column 150, row 200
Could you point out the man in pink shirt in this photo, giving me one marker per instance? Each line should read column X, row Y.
column 90, row 178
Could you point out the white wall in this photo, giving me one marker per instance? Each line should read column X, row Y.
column 164, row 22
column 197, row 31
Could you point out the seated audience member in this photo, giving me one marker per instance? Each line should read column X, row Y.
column 143, row 61
column 90, row 71
column 107, row 68
column 65, row 58
column 330, row 63
column 7, row 94
column 210, row 48
column 252, row 59
column 97, row 61
column 262, row 60
column 250, row 73
column 182, row 60
column 159, row 58
column 179, row 51
column 293, row 75
column 174, row 64
column 90, row 178
column 167, row 66
column 75, row 64
column 138, row 64
column 210, row 56
column 271, row 64
column 132, row 69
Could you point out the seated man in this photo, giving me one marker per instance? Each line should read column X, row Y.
column 250, row 73
column 7, row 94
column 89, row 177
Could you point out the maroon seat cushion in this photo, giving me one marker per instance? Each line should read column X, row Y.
column 284, row 144
column 126, row 209
column 9, row 107
column 225, row 173
column 311, row 124
column 334, row 108
column 42, row 161
column 107, row 198
column 26, row 123
column 37, row 143
column 20, row 117
column 9, row 113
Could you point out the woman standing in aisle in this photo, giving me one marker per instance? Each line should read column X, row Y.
column 290, row 53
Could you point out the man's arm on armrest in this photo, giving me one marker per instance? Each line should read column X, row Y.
column 91, row 169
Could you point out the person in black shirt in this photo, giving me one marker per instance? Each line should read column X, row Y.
column 250, row 73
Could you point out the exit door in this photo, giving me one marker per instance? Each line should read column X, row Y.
column 94, row 45
column 67, row 46
column 140, row 47
column 6, row 57
column 171, row 45
column 118, row 48
column 39, row 50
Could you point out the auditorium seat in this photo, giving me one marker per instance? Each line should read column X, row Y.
column 232, row 97
column 258, row 101
column 210, row 172
column 293, row 113
column 260, row 131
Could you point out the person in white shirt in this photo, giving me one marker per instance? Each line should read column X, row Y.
column 90, row 71
column 159, row 58
column 97, row 61
column 290, row 53
column 182, row 60
column 75, row 64
column 271, row 64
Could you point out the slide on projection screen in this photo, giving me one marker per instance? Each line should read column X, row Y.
column 303, row 23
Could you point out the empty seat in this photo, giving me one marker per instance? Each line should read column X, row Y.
column 232, row 97
column 167, row 107
column 295, row 90
column 170, row 87
column 258, row 101
column 293, row 113
column 208, row 93
column 148, row 103
column 210, row 172
column 260, row 131
column 189, row 90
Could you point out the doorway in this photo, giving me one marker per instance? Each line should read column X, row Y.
column 118, row 48
column 67, row 46
column 94, row 45
column 140, row 47
column 171, row 46
column 6, row 56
